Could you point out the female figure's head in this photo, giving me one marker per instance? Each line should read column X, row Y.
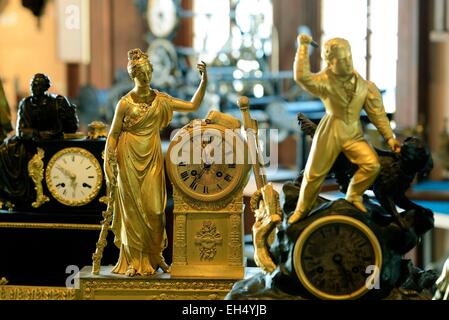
column 139, row 67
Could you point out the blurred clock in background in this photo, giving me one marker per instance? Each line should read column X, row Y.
column 162, row 16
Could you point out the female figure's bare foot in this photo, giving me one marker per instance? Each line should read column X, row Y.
column 149, row 273
column 131, row 272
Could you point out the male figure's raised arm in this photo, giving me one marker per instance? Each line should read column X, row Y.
column 312, row 83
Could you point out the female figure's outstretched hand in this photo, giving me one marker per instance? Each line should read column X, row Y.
column 202, row 68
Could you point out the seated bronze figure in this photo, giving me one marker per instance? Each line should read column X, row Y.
column 41, row 116
column 5, row 116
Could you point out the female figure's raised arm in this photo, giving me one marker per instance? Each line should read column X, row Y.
column 194, row 104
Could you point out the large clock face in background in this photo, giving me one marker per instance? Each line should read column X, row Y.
column 74, row 177
column 336, row 257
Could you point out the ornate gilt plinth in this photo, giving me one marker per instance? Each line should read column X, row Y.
column 12, row 293
column 208, row 197
column 108, row 286
column 209, row 242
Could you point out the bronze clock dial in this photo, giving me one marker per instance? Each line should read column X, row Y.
column 335, row 258
column 206, row 179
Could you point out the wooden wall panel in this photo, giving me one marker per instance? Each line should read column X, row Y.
column 128, row 32
column 408, row 62
column 100, row 71
column 288, row 16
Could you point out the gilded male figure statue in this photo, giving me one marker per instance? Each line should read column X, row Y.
column 344, row 94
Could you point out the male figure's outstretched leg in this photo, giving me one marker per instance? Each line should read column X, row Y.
column 321, row 159
column 361, row 154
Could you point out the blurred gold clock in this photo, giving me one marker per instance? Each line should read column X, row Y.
column 74, row 177
column 337, row 258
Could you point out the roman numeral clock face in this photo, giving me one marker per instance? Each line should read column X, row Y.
column 214, row 176
column 74, row 177
column 337, row 258
column 207, row 180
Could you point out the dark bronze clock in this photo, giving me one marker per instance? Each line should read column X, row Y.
column 337, row 258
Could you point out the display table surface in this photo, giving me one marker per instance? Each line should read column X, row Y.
column 161, row 286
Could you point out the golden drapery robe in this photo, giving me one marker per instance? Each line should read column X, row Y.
column 140, row 198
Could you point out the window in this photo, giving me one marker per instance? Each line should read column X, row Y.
column 211, row 27
column 349, row 19
column 227, row 26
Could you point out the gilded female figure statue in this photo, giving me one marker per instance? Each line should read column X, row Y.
column 134, row 164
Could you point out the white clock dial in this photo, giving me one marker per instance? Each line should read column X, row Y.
column 74, row 177
column 162, row 17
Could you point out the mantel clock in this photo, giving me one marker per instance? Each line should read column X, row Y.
column 208, row 197
column 338, row 258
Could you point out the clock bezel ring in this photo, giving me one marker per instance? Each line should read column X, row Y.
column 52, row 188
column 244, row 169
column 314, row 226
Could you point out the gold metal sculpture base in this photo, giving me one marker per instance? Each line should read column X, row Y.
column 23, row 293
column 209, row 271
column 162, row 286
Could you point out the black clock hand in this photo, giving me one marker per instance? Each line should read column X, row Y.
column 338, row 260
column 199, row 176
column 207, row 166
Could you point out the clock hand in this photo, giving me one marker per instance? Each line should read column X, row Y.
column 198, row 177
column 73, row 183
column 66, row 172
column 338, row 260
